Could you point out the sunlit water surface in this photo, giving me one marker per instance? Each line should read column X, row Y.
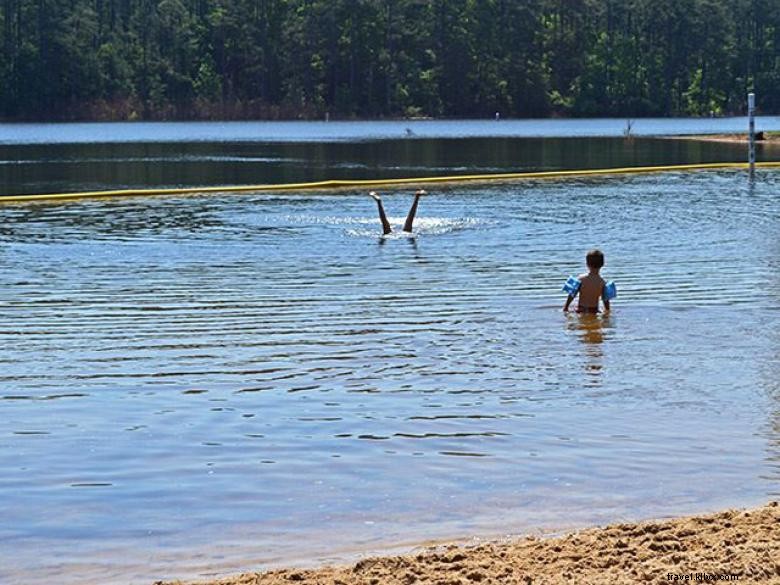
column 367, row 130
column 202, row 385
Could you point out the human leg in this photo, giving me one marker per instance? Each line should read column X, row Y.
column 382, row 217
column 413, row 211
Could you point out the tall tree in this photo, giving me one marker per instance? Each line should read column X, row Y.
column 305, row 58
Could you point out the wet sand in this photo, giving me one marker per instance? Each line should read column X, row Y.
column 741, row 546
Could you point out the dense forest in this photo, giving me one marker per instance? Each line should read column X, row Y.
column 223, row 59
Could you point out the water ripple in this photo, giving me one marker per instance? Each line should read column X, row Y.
column 275, row 357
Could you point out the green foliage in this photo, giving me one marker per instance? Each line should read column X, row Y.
column 159, row 59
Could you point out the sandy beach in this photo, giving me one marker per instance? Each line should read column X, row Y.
column 735, row 545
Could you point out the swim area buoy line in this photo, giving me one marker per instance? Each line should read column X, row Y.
column 362, row 183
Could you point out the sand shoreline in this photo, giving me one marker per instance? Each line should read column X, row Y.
column 733, row 546
column 769, row 138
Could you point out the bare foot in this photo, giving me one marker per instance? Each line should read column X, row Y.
column 420, row 192
column 374, row 196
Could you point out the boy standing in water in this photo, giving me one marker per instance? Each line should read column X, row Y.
column 590, row 287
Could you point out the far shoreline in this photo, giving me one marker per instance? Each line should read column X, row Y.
column 762, row 138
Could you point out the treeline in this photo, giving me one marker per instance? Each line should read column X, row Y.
column 174, row 59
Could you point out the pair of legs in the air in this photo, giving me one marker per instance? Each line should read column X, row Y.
column 409, row 218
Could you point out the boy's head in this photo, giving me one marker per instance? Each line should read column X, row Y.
column 594, row 259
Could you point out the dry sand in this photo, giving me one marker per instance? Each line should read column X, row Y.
column 741, row 545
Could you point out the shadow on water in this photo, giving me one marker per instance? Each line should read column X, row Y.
column 55, row 168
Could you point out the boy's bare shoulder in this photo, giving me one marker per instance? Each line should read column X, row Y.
column 587, row 277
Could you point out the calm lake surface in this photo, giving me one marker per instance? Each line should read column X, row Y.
column 208, row 384
column 53, row 158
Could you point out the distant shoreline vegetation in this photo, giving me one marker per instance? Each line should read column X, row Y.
column 108, row 60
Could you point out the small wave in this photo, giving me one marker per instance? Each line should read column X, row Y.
column 435, row 226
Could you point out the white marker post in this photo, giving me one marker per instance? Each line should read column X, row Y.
column 752, row 133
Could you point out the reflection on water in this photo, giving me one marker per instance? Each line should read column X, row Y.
column 52, row 168
column 591, row 330
column 209, row 384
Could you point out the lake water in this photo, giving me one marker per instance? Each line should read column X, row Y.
column 351, row 131
column 53, row 158
column 208, row 384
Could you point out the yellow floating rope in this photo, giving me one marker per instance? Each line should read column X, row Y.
column 353, row 184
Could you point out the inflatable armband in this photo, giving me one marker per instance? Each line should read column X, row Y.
column 572, row 285
column 610, row 291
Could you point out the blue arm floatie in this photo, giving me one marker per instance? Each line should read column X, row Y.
column 572, row 285
column 610, row 291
